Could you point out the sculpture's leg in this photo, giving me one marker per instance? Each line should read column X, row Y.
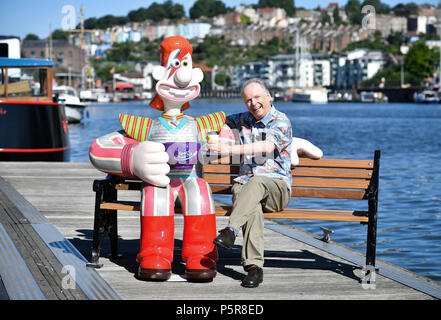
column 198, row 250
column 157, row 234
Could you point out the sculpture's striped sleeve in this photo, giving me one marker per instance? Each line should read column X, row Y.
column 138, row 128
column 210, row 122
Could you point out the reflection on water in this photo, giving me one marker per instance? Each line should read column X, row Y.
column 409, row 218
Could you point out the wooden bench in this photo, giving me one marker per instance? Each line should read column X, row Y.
column 324, row 178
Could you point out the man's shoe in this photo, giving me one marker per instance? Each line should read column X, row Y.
column 225, row 239
column 253, row 278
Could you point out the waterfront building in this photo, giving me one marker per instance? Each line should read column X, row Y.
column 68, row 59
column 348, row 69
column 280, row 71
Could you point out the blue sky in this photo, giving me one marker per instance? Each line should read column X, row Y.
column 20, row 17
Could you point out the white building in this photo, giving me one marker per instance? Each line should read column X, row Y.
column 280, row 72
column 350, row 68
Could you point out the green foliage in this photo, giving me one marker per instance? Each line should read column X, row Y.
column 379, row 43
column 419, row 60
column 419, row 63
column 392, row 75
column 124, row 51
column 156, row 12
column 104, row 22
column 102, row 69
column 59, row 34
column 223, row 79
column 245, row 20
column 288, row 5
column 207, row 8
column 325, row 18
column 31, row 36
column 336, row 16
column 353, row 11
column 405, row 10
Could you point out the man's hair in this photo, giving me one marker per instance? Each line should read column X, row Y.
column 254, row 80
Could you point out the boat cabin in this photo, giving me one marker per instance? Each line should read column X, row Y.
column 26, row 80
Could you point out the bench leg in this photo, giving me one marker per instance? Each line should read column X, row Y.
column 371, row 245
column 112, row 226
column 98, row 230
column 105, row 222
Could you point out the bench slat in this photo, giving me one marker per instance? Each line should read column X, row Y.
column 301, row 182
column 330, row 183
column 299, row 172
column 332, row 173
column 326, row 193
column 121, row 205
column 306, row 214
column 336, row 163
column 305, row 162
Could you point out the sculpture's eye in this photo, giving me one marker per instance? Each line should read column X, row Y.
column 185, row 63
column 176, row 63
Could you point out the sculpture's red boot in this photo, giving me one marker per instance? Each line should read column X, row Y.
column 198, row 251
column 156, row 248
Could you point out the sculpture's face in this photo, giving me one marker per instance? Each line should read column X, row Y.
column 178, row 81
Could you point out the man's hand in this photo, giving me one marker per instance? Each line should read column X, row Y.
column 215, row 146
column 149, row 163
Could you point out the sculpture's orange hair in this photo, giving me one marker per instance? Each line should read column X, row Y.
column 167, row 46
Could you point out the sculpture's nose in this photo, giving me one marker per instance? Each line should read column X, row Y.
column 182, row 77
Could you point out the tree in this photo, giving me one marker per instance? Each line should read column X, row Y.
column 324, row 18
column 353, row 11
column 31, row 36
column 405, row 10
column 287, row 5
column 336, row 16
column 419, row 59
column 59, row 34
column 207, row 8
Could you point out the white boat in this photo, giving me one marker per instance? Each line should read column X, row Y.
column 427, row 96
column 72, row 104
column 310, row 95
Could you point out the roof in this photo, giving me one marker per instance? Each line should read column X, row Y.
column 8, row 62
column 203, row 67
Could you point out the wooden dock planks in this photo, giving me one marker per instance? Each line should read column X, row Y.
column 292, row 270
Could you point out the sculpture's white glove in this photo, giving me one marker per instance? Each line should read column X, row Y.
column 149, row 163
column 304, row 148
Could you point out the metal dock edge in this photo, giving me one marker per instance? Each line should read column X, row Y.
column 15, row 275
column 17, row 279
column 385, row 269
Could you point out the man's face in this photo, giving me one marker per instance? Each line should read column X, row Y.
column 257, row 100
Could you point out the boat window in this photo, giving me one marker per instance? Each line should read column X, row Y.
column 27, row 82
column 2, row 82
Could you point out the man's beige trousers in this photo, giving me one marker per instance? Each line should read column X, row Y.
column 260, row 194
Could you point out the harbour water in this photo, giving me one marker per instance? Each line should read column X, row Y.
column 408, row 135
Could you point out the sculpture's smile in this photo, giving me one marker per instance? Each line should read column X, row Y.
column 172, row 92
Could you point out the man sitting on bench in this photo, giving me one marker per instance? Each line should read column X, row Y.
column 264, row 182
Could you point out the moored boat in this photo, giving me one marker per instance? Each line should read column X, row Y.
column 73, row 106
column 427, row 96
column 32, row 126
column 310, row 95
